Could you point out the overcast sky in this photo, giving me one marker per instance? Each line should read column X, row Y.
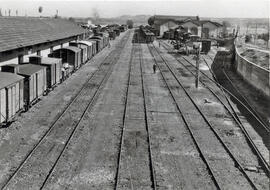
column 203, row 8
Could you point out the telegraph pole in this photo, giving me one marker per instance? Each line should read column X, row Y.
column 197, row 48
column 197, row 68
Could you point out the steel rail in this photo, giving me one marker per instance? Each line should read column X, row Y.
column 237, row 163
column 30, row 153
column 210, row 171
column 234, row 116
column 152, row 168
column 117, row 175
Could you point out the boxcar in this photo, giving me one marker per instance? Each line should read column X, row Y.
column 84, row 53
column 83, row 44
column 98, row 43
column 94, row 46
column 105, row 37
column 35, row 82
column 112, row 35
column 11, row 96
column 100, row 38
column 69, row 54
column 53, row 68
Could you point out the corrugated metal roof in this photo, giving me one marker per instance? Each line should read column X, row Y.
column 86, row 42
column 72, row 48
column 29, row 69
column 50, row 60
column 7, row 79
column 96, row 37
column 18, row 32
column 47, row 60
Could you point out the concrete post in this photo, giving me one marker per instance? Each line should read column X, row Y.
column 20, row 59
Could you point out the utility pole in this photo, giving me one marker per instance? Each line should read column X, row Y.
column 197, row 48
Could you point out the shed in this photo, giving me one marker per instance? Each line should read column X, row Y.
column 53, row 68
column 69, row 54
column 35, row 82
column 11, row 95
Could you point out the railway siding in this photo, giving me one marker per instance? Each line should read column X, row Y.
column 223, row 124
column 35, row 169
column 135, row 167
column 90, row 161
column 177, row 162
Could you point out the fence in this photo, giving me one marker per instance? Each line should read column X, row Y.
column 257, row 76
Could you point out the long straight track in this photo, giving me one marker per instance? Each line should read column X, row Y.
column 46, row 153
column 166, row 68
column 122, row 155
column 231, row 111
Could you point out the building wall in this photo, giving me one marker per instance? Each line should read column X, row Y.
column 252, row 73
column 213, row 30
column 189, row 26
column 167, row 26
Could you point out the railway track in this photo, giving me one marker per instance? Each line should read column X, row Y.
column 231, row 111
column 122, row 155
column 40, row 162
column 166, row 70
column 239, row 97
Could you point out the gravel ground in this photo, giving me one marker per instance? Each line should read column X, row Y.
column 176, row 159
column 90, row 160
column 19, row 138
column 224, row 124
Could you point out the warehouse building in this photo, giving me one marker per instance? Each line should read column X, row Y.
column 23, row 36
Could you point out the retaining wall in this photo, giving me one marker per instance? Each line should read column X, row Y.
column 257, row 76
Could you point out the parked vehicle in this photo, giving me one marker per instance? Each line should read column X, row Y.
column 35, row 82
column 53, row 68
column 11, row 96
column 70, row 55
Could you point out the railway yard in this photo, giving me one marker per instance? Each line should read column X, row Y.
column 115, row 124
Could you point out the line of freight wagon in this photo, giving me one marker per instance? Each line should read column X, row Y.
column 22, row 85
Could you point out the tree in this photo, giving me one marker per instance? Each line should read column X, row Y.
column 130, row 23
column 1, row 12
column 40, row 9
column 9, row 12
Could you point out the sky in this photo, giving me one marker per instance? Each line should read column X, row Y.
column 109, row 8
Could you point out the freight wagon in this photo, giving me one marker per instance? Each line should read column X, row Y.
column 70, row 55
column 98, row 43
column 94, row 46
column 53, row 68
column 105, row 37
column 11, row 96
column 35, row 82
column 86, row 48
column 112, row 35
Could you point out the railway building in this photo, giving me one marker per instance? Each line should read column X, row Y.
column 22, row 36
column 192, row 24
